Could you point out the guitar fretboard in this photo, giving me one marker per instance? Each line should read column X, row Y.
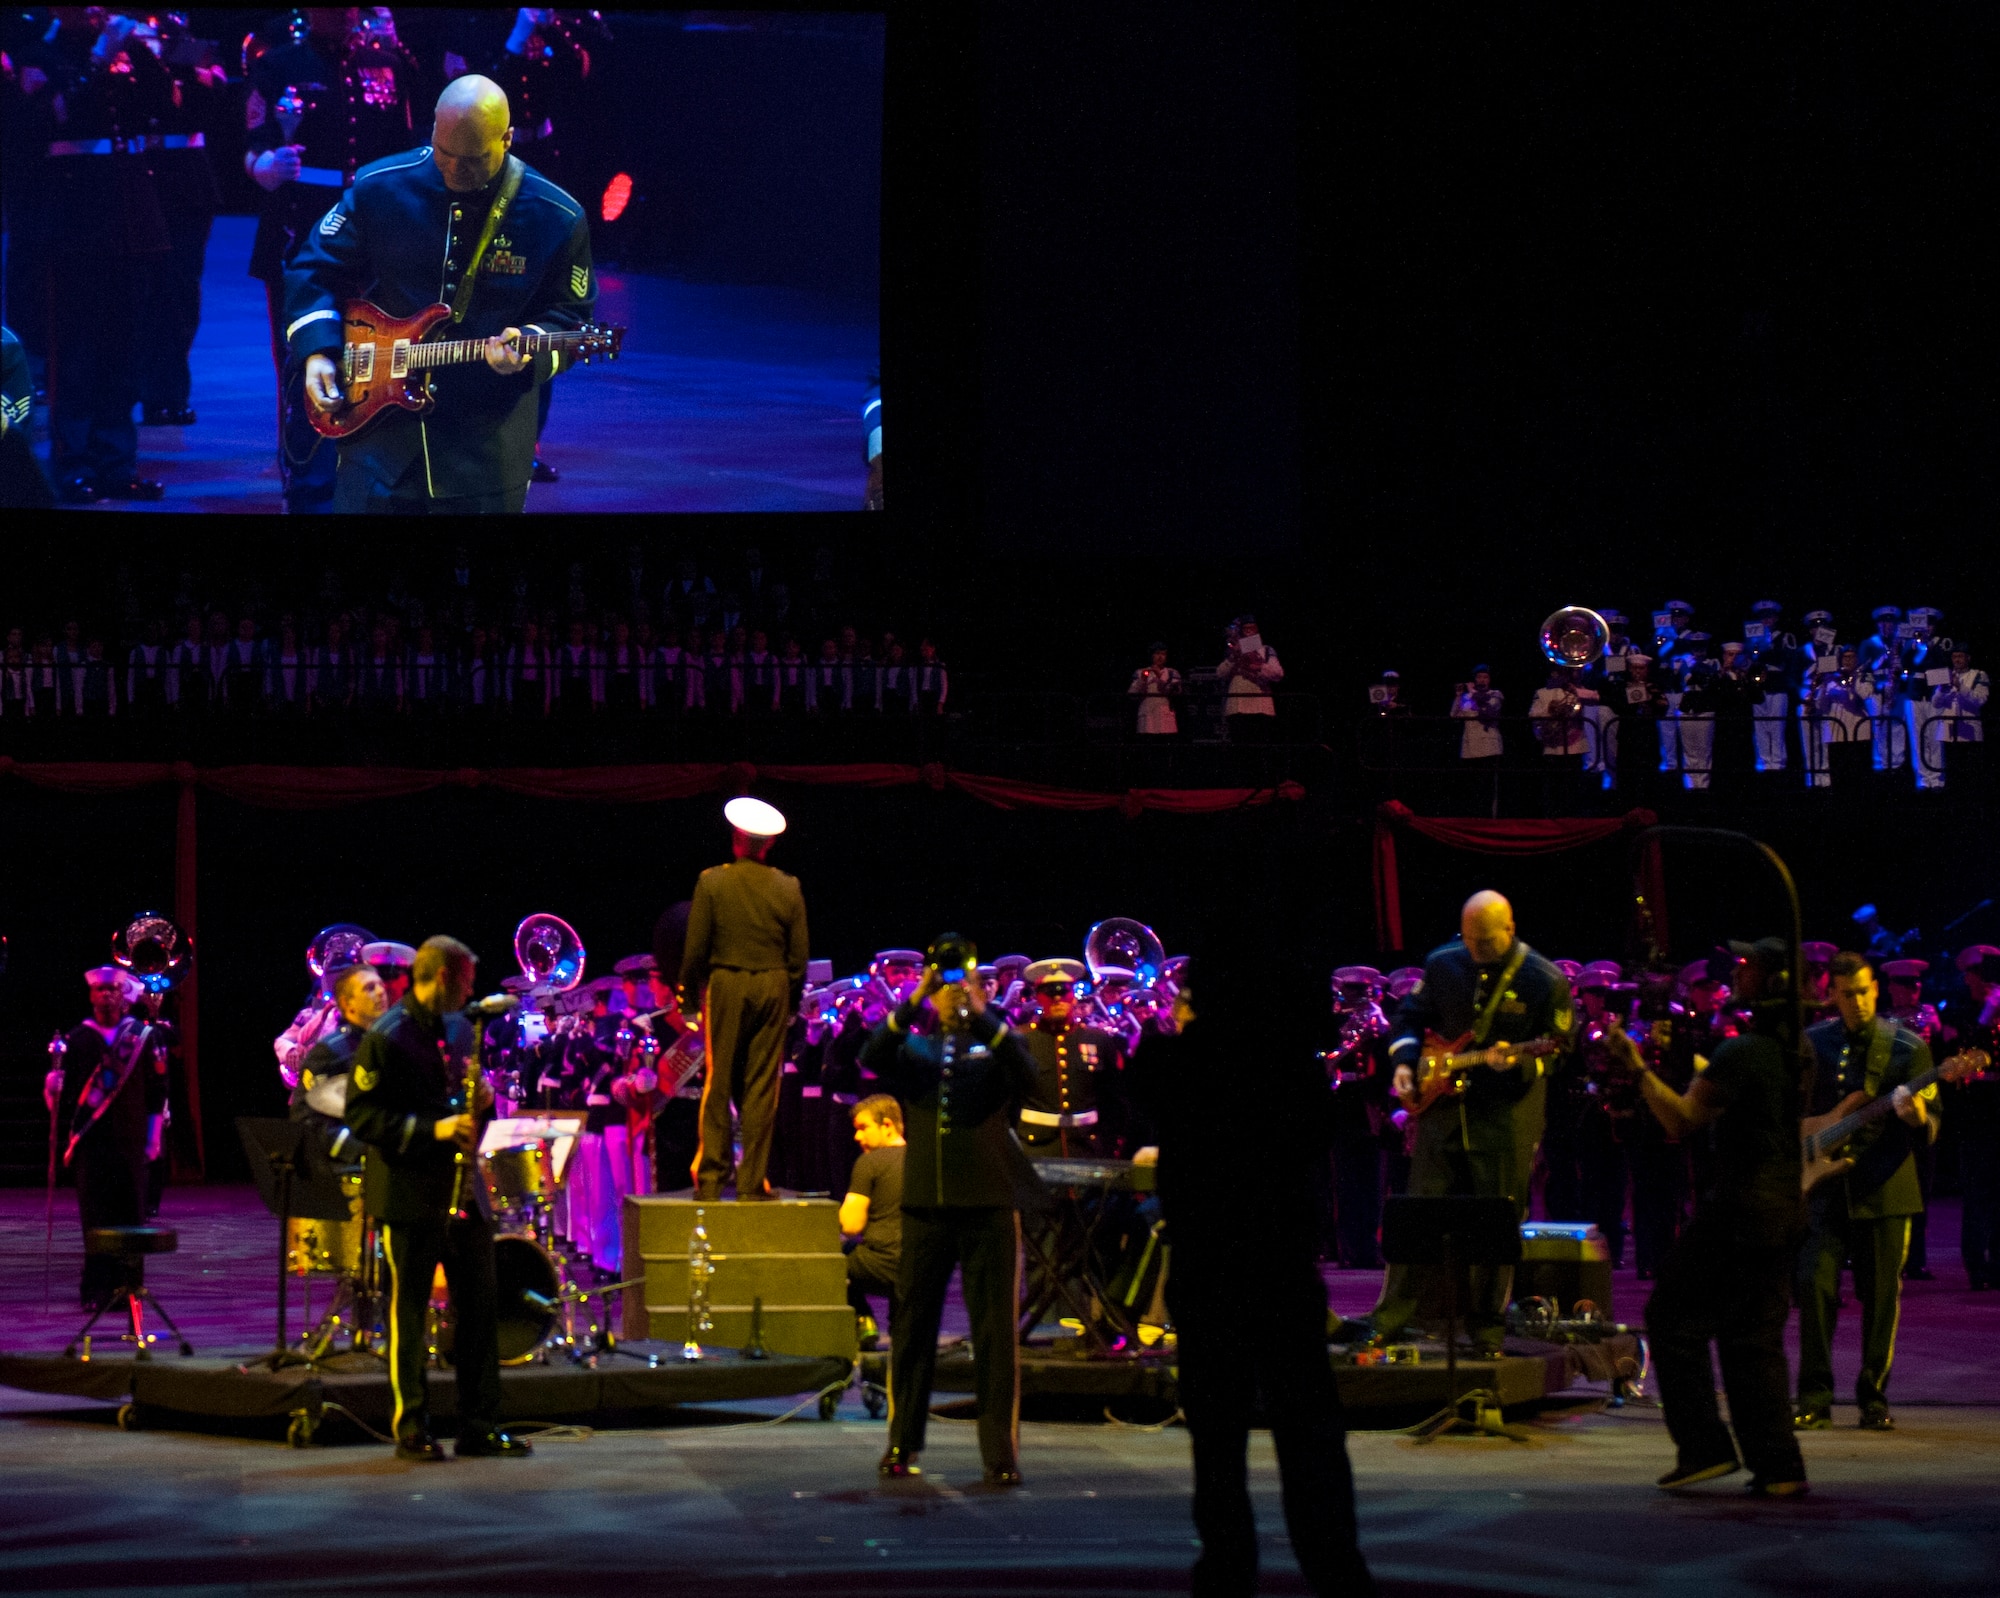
column 462, row 351
column 1843, row 1129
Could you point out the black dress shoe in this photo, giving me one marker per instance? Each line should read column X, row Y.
column 1876, row 1418
column 543, row 472
column 1816, row 1418
column 131, row 488
column 1761, row 1488
column 168, row 416
column 79, row 491
column 1919, row 1273
column 1008, row 1475
column 421, row 1447
column 493, row 1444
column 1687, row 1475
column 899, row 1462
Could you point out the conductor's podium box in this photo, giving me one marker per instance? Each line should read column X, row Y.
column 784, row 1251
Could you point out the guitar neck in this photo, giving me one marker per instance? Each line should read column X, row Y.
column 464, row 351
column 1854, row 1121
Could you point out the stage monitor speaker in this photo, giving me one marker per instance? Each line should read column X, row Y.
column 1564, row 1261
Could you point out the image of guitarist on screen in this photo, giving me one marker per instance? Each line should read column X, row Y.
column 462, row 223
column 1477, row 1029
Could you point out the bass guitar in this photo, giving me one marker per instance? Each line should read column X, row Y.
column 384, row 361
column 1821, row 1135
column 1441, row 1067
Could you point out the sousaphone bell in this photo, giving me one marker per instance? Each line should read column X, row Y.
column 1574, row 636
column 154, row 950
column 549, row 951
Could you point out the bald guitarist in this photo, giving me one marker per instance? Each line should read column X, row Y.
column 1480, row 993
column 464, row 223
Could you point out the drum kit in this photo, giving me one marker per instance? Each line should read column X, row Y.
column 542, row 1307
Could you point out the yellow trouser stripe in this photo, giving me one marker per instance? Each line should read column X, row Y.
column 395, row 1320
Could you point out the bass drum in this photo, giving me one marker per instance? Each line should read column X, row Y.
column 521, row 1268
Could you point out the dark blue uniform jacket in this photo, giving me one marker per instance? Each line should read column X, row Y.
column 400, row 238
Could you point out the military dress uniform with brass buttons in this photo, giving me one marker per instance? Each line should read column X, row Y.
column 408, row 1072
column 964, row 1178
column 339, row 104
column 1862, row 1217
column 1066, row 1113
column 98, row 204
column 384, row 241
column 1481, row 1141
column 189, row 198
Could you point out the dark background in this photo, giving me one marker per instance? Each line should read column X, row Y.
column 1402, row 326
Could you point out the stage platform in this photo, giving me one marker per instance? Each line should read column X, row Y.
column 237, row 1388
column 1529, row 1373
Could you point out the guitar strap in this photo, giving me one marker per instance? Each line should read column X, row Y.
column 1880, row 1047
column 1484, row 1024
column 510, row 185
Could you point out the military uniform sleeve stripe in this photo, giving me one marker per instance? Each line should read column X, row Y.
column 310, row 316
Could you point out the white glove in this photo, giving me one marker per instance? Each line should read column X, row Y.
column 275, row 168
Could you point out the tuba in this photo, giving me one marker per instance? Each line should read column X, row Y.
column 336, row 947
column 1121, row 944
column 154, row 950
column 549, row 951
column 1574, row 636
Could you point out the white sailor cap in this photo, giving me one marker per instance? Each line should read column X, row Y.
column 1569, row 968
column 1635, row 658
column 397, row 955
column 635, row 966
column 110, row 976
column 754, row 817
column 1051, row 970
column 1818, row 618
column 1905, row 970
column 1885, row 613
column 1767, row 607
column 896, row 957
column 1615, row 618
column 1974, row 954
column 1679, row 604
column 1818, row 952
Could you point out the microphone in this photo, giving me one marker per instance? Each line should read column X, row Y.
column 493, row 1004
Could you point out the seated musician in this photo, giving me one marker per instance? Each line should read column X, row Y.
column 871, row 1216
column 1075, row 1069
column 473, row 454
column 321, row 1095
column 1487, row 987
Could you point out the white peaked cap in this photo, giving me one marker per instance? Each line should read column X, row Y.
column 754, row 817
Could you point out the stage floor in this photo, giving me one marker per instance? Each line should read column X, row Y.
column 692, row 1506
column 724, row 398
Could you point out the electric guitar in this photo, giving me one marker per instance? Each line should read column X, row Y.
column 1820, row 1135
column 383, row 361
column 1443, row 1062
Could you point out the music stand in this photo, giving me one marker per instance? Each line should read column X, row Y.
column 293, row 1185
column 1454, row 1231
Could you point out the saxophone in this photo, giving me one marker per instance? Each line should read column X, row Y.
column 465, row 1160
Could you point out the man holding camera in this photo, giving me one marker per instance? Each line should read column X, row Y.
column 963, row 1175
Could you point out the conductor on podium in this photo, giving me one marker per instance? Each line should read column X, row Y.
column 745, row 964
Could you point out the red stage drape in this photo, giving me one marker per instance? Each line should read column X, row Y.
column 1500, row 837
column 327, row 787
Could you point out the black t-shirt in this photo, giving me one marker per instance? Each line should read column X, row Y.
column 878, row 1177
column 1754, row 1182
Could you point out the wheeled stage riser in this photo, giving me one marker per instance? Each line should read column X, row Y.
column 785, row 1252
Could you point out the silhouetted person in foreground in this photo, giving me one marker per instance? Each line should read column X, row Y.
column 1243, row 1283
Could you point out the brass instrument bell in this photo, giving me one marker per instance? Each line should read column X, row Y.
column 549, row 951
column 154, row 950
column 1574, row 636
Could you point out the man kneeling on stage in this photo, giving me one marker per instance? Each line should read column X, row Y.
column 421, row 1182
column 872, row 1212
column 963, row 1175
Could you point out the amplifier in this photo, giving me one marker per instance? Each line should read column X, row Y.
column 1564, row 1261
